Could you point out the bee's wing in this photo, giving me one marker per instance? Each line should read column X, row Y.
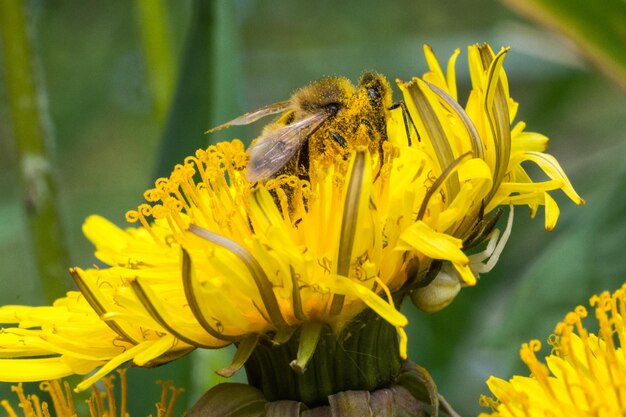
column 253, row 116
column 272, row 150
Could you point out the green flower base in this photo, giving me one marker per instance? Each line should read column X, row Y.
column 413, row 395
column 364, row 357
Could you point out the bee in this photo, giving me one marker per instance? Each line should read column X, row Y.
column 321, row 119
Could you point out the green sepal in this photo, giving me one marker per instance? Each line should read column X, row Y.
column 230, row 400
column 284, row 408
column 350, row 403
column 283, row 335
column 395, row 401
column 244, row 350
column 309, row 336
column 420, row 384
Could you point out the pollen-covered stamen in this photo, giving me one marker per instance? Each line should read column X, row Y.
column 61, row 397
column 264, row 285
column 205, row 200
column 349, row 225
column 139, row 215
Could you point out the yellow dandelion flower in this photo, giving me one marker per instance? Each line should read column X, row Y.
column 585, row 374
column 476, row 154
column 100, row 403
column 220, row 260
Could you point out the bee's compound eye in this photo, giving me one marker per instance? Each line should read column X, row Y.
column 332, row 108
column 373, row 93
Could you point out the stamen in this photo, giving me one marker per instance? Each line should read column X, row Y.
column 93, row 412
column 24, row 402
column 97, row 399
column 62, row 401
column 172, row 402
column 123, row 391
column 110, row 394
column 36, row 404
column 132, row 216
column 173, row 188
column 7, row 407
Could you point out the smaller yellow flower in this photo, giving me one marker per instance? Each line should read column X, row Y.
column 100, row 403
column 585, row 374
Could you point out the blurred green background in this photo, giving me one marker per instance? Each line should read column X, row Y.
column 109, row 144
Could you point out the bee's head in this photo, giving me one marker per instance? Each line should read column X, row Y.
column 377, row 89
column 329, row 94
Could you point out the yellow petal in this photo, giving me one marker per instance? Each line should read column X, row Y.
column 424, row 239
column 350, row 288
column 26, row 370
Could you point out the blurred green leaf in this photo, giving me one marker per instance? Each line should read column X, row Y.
column 191, row 109
column 585, row 260
column 597, row 27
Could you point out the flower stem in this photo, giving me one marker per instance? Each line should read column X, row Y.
column 31, row 130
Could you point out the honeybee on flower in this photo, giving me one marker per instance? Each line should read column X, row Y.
column 320, row 119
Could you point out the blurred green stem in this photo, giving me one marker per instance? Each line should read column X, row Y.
column 157, row 50
column 32, row 137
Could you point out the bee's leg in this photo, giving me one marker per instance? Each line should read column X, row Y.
column 339, row 139
column 406, row 117
column 381, row 136
column 371, row 132
column 303, row 164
